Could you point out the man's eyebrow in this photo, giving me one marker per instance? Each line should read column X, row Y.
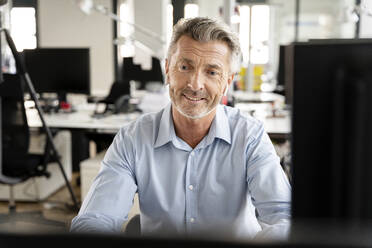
column 214, row 66
column 209, row 66
column 189, row 61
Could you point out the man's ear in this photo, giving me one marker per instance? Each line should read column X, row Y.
column 230, row 79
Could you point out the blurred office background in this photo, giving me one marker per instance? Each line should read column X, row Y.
column 125, row 44
column 262, row 27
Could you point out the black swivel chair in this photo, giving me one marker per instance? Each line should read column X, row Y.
column 119, row 90
column 117, row 101
column 18, row 165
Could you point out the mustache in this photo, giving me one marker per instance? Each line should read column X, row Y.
column 195, row 93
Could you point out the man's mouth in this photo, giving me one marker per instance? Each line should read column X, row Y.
column 193, row 99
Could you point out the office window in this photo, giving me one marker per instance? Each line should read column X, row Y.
column 23, row 27
column 244, row 34
column 254, row 30
column 260, row 34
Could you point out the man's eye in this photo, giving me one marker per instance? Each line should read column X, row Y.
column 213, row 73
column 184, row 67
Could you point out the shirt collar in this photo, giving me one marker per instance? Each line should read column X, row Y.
column 166, row 129
column 220, row 127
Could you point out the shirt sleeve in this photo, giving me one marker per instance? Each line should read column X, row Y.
column 111, row 195
column 269, row 188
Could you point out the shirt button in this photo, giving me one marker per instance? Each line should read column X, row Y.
column 191, row 187
column 192, row 154
column 192, row 220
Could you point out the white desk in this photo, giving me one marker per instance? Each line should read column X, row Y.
column 257, row 97
column 277, row 127
column 78, row 123
column 81, row 119
column 274, row 126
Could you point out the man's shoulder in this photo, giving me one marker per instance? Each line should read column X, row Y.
column 236, row 115
column 242, row 122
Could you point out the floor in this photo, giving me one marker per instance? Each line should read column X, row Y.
column 57, row 208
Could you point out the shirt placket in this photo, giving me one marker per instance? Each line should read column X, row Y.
column 190, row 189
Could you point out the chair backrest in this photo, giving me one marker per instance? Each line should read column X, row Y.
column 117, row 90
column 130, row 71
column 15, row 130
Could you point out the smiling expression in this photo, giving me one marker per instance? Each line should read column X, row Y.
column 198, row 73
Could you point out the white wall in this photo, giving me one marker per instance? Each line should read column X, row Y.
column 62, row 24
column 153, row 16
column 366, row 21
column 208, row 8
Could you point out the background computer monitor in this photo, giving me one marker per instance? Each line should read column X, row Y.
column 60, row 70
column 332, row 130
column 131, row 71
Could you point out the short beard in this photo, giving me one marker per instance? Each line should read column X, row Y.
column 194, row 117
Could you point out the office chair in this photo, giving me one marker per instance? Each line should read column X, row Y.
column 117, row 90
column 18, row 165
column 117, row 101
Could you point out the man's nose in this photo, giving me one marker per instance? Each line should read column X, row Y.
column 196, row 81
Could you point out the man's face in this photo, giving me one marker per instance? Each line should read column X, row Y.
column 198, row 74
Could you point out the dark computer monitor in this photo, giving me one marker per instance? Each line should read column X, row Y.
column 332, row 130
column 60, row 70
column 131, row 71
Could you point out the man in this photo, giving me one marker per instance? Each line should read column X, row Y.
column 196, row 165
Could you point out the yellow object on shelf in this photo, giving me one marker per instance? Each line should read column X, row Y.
column 258, row 70
column 241, row 81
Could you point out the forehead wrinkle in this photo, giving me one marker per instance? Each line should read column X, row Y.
column 194, row 52
column 202, row 52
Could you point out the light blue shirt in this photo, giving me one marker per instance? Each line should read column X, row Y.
column 231, row 181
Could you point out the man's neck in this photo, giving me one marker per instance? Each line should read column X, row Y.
column 192, row 131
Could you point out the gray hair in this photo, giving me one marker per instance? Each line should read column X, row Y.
column 205, row 29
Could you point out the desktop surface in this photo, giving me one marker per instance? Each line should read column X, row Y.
column 82, row 118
